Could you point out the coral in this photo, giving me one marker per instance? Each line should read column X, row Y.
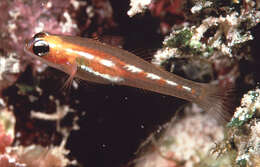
column 169, row 12
column 215, row 33
column 138, row 6
column 187, row 143
column 30, row 156
column 7, row 123
column 212, row 38
column 61, row 112
column 25, row 19
column 161, row 9
column 35, row 156
column 250, row 104
column 199, row 5
column 38, row 156
column 190, row 41
column 20, row 21
column 9, row 68
column 247, row 144
column 7, row 161
column 244, row 130
column 206, row 40
column 9, row 65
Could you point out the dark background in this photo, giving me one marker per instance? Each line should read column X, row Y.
column 113, row 120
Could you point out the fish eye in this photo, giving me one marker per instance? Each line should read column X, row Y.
column 40, row 48
column 40, row 35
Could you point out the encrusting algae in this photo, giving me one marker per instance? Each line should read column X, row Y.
column 205, row 41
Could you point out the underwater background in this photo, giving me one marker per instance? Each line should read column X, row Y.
column 43, row 124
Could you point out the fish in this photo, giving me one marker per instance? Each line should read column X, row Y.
column 94, row 61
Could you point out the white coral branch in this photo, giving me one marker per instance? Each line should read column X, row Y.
column 138, row 6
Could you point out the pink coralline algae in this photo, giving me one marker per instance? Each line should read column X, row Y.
column 7, row 122
column 5, row 140
column 25, row 19
column 20, row 20
column 170, row 12
column 162, row 7
column 7, row 161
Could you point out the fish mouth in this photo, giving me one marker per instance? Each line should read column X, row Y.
column 28, row 45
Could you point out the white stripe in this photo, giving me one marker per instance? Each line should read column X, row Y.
column 153, row 76
column 186, row 88
column 133, row 69
column 84, row 54
column 171, row 83
column 107, row 63
column 69, row 50
column 105, row 76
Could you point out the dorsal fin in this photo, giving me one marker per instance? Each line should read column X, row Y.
column 114, row 40
column 96, row 37
column 146, row 54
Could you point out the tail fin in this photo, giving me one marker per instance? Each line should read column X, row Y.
column 219, row 101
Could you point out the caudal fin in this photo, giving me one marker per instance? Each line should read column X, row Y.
column 219, row 101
